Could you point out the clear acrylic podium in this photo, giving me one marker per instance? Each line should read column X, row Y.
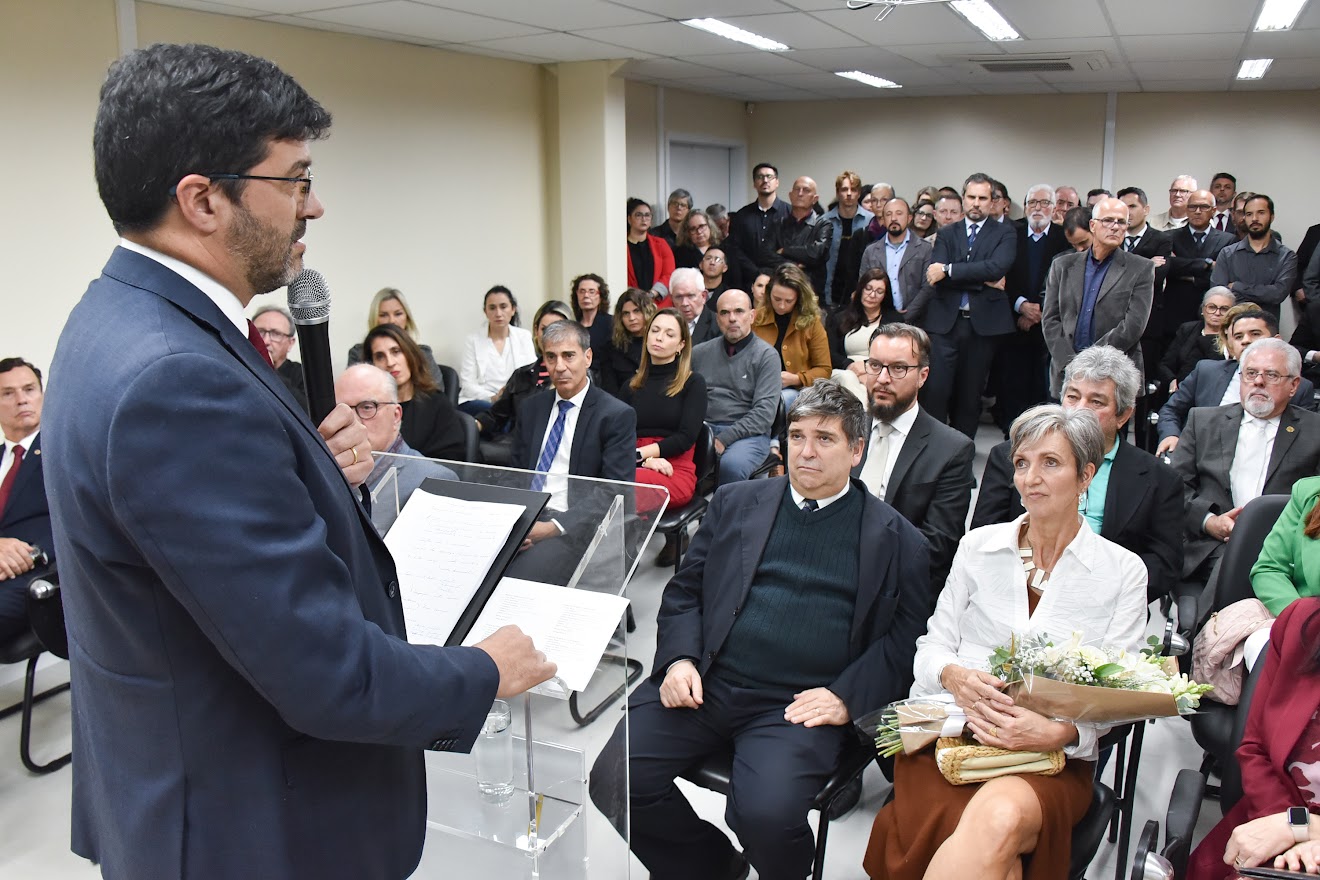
column 549, row 827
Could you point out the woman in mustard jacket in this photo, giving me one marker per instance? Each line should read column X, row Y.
column 1289, row 563
column 789, row 319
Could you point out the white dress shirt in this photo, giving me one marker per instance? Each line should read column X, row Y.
column 557, row 483
column 1233, row 393
column 1255, row 445
column 216, row 292
column 485, row 368
column 821, row 503
column 902, row 426
column 1097, row 588
column 7, row 453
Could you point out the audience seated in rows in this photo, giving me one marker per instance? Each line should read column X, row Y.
column 1045, row 572
column 1218, row 383
column 275, row 325
column 919, row 466
column 24, row 513
column 624, row 353
column 1279, row 756
column 374, row 396
column 790, row 321
column 491, row 354
column 849, row 329
column 589, row 296
column 1134, row 500
column 764, row 659
column 389, row 307
column 903, row 255
column 527, row 380
column 1194, row 249
column 1197, row 340
column 742, row 383
column 1228, row 455
column 650, row 259
column 1288, row 567
column 430, row 424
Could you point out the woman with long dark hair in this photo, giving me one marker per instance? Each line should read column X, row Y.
column 492, row 354
column 430, row 424
column 623, row 354
column 650, row 259
column 849, row 330
column 590, row 297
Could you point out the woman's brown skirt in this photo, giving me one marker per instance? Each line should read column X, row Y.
column 926, row 809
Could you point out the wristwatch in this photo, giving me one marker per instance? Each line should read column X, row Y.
column 1299, row 820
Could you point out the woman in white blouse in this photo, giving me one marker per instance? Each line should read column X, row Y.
column 1044, row 573
column 491, row 356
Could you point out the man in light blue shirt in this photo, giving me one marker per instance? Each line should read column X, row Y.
column 902, row 255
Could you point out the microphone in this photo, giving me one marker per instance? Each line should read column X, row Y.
column 309, row 303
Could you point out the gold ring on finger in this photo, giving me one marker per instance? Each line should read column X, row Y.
column 355, row 454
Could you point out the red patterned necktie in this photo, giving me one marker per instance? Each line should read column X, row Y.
column 259, row 344
column 8, row 485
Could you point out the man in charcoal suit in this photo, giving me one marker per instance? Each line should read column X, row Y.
column 1193, row 249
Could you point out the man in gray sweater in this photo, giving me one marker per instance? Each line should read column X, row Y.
column 742, row 386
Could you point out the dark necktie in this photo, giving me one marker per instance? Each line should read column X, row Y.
column 1199, row 238
column 1219, row 222
column 810, row 505
column 971, row 238
column 8, row 485
column 1131, row 243
column 551, row 448
column 259, row 344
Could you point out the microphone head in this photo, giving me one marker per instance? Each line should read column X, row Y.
column 309, row 298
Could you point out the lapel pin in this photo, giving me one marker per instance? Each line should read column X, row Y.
column 1289, row 429
column 38, row 451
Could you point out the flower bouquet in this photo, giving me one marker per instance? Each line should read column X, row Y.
column 1096, row 685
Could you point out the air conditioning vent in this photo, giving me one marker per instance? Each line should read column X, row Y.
column 1026, row 66
column 1066, row 62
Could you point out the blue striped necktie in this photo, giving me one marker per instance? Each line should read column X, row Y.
column 551, row 448
column 971, row 238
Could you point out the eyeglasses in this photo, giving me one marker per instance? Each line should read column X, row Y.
column 273, row 334
column 896, row 371
column 304, row 190
column 1180, row 192
column 764, row 176
column 1198, row 207
column 1217, row 310
column 1039, row 203
column 1270, row 377
column 714, row 260
column 1113, row 222
column 366, row 410
column 642, row 215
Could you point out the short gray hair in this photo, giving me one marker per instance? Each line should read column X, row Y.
column 566, row 331
column 716, row 212
column 1221, row 290
column 688, row 277
column 1079, row 427
column 386, row 380
column 1101, row 362
column 680, row 195
column 826, row 398
column 1037, row 188
column 1273, row 343
column 272, row 308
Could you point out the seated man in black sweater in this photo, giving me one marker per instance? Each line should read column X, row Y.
column 769, row 649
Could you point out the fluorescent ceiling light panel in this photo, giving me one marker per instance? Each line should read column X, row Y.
column 737, row 34
column 867, row 79
column 986, row 19
column 1279, row 15
column 1254, row 68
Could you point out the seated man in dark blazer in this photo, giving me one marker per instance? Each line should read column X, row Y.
column 575, row 430
column 24, row 514
column 920, row 467
column 1216, row 383
column 771, row 651
column 1231, row 454
column 692, row 301
column 1135, row 500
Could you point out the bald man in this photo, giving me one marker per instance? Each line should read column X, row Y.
column 803, row 237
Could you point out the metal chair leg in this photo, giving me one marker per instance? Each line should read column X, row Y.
column 25, row 730
column 822, row 831
column 634, row 668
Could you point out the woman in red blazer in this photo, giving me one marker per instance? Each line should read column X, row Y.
column 650, row 259
column 1279, row 757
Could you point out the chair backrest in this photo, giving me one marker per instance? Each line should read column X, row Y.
column 1232, row 581
column 471, row 437
column 780, row 427
column 1230, row 780
column 45, row 611
column 449, row 378
column 705, row 460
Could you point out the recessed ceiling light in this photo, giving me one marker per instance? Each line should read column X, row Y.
column 867, row 79
column 986, row 19
column 1279, row 15
column 737, row 34
column 1254, row 68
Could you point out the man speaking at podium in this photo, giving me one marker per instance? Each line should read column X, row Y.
column 245, row 703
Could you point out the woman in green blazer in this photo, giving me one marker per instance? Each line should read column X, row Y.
column 1289, row 563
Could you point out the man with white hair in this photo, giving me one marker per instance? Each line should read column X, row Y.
column 688, row 288
column 1229, row 455
column 1020, row 376
column 1179, row 191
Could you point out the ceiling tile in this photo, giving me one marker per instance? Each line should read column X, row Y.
column 442, row 25
column 1283, row 44
column 1184, row 85
column 1190, row 47
column 1294, row 67
column 1189, row 70
column 281, row 7
column 755, row 63
column 906, row 25
column 560, row 47
column 667, row 38
column 815, row 5
column 1123, row 85
column 723, row 9
column 1133, row 17
column 217, row 8
column 1051, row 19
column 1105, row 44
column 666, row 68
column 554, row 16
column 797, row 30
column 778, row 93
column 1018, row 88
column 870, row 58
column 1310, row 17
column 935, row 54
column 730, row 83
column 298, row 21
column 477, row 49
column 1272, row 83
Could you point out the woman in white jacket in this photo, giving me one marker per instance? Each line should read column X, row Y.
column 491, row 355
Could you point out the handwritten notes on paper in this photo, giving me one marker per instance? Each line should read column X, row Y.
column 572, row 627
column 443, row 547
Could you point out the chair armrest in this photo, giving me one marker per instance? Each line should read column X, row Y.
column 1180, row 821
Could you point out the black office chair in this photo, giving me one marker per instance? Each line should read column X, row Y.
column 45, row 633
column 832, row 802
column 471, row 437
column 676, row 519
column 778, row 431
column 449, row 378
column 1212, row 725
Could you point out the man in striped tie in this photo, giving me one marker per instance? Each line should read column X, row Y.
column 24, row 514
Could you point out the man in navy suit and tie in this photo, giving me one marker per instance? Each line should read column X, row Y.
column 24, row 515
column 966, row 311
column 245, row 700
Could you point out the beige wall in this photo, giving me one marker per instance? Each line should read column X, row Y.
column 687, row 116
